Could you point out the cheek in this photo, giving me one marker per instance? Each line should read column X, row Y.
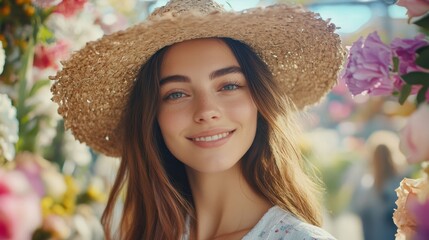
column 244, row 111
column 171, row 121
column 165, row 121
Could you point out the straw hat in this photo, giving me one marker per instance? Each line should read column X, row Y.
column 302, row 51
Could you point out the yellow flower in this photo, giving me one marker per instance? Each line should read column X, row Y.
column 3, row 41
column 47, row 203
column 69, row 205
column 71, row 185
column 20, row 2
column 59, row 210
column 5, row 10
column 20, row 43
column 95, row 194
column 66, row 204
column 29, row 10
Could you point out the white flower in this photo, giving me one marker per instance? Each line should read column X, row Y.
column 124, row 7
column 55, row 185
column 8, row 128
column 86, row 223
column 106, row 168
column 77, row 30
column 45, row 110
column 2, row 57
column 42, row 105
column 74, row 151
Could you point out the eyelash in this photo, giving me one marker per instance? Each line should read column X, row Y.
column 170, row 97
column 235, row 84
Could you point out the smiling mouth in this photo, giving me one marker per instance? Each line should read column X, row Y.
column 212, row 138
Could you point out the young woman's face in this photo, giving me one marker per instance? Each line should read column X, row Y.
column 207, row 116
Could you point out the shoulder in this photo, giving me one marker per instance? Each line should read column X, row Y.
column 279, row 224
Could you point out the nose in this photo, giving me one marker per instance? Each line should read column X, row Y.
column 206, row 109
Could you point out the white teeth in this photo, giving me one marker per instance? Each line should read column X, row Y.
column 211, row 138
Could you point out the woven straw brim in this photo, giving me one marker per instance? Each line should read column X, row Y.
column 302, row 51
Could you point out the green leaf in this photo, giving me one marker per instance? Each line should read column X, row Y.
column 395, row 64
column 423, row 22
column 421, row 95
column 22, row 79
column 420, row 50
column 416, row 78
column 38, row 85
column 44, row 34
column 404, row 93
column 27, row 136
column 423, row 58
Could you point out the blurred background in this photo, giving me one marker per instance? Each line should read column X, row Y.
column 343, row 134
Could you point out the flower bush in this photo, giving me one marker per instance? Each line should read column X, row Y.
column 415, row 136
column 415, row 8
column 17, row 202
column 400, row 69
column 50, row 185
column 376, row 68
column 8, row 128
column 411, row 215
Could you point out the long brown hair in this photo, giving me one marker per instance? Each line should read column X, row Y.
column 157, row 192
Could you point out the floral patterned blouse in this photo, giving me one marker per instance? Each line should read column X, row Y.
column 279, row 224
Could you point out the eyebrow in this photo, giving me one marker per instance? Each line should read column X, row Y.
column 215, row 74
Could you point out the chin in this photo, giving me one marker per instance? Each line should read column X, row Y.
column 213, row 167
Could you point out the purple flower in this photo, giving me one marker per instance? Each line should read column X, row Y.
column 368, row 67
column 405, row 50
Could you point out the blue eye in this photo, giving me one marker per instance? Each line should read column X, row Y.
column 230, row 87
column 174, row 96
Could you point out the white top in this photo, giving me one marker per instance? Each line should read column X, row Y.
column 279, row 224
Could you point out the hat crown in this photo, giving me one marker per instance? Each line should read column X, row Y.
column 180, row 7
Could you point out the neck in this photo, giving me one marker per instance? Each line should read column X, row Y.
column 225, row 203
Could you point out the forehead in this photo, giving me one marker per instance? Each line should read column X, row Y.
column 199, row 54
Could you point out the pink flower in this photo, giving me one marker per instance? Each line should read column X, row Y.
column 69, row 8
column 339, row 111
column 414, row 8
column 405, row 50
column 20, row 212
column 44, row 177
column 415, row 136
column 49, row 56
column 368, row 67
column 32, row 167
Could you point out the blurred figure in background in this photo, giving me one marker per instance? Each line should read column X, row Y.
column 374, row 200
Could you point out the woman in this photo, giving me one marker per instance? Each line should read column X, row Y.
column 205, row 129
column 375, row 203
